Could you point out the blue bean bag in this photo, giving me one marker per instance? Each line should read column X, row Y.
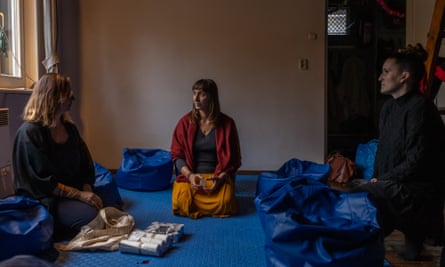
column 145, row 169
column 365, row 157
column 293, row 168
column 106, row 187
column 26, row 227
column 306, row 223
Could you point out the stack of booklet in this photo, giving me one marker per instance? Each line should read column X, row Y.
column 155, row 240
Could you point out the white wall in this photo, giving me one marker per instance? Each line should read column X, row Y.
column 139, row 59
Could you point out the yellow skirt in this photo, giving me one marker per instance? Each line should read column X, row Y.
column 186, row 201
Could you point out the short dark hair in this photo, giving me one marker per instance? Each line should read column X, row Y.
column 411, row 59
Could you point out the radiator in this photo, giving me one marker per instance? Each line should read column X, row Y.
column 6, row 182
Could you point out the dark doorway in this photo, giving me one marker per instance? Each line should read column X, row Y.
column 361, row 33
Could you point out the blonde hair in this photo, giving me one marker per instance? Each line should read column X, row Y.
column 49, row 92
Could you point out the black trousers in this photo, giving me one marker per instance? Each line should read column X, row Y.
column 418, row 214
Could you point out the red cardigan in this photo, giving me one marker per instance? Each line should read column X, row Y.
column 227, row 145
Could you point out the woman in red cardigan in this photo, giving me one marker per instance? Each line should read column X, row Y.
column 206, row 153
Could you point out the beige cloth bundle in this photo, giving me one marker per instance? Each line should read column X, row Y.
column 103, row 233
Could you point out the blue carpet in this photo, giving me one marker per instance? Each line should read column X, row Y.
column 207, row 242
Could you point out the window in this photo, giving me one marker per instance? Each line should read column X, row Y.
column 10, row 39
column 18, row 46
column 340, row 25
column 337, row 21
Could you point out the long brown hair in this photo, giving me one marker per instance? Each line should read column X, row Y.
column 211, row 89
column 51, row 90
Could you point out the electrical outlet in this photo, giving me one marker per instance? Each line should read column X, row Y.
column 312, row 36
column 303, row 64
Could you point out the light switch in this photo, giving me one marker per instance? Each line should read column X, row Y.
column 312, row 36
column 303, row 64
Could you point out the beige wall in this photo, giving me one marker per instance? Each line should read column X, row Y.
column 419, row 15
column 418, row 19
column 139, row 59
column 132, row 67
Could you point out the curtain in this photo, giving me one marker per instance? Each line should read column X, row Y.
column 50, row 36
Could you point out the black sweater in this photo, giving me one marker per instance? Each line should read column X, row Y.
column 39, row 163
column 412, row 143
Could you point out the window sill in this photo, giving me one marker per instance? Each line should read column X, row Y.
column 15, row 91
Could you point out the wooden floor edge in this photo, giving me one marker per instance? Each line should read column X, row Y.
column 251, row 172
column 240, row 172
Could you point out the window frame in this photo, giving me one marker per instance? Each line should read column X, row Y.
column 29, row 49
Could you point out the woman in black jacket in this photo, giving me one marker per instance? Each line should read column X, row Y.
column 51, row 162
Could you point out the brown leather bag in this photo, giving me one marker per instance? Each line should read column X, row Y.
column 342, row 168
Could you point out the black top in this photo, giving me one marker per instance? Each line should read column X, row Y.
column 412, row 143
column 39, row 163
column 204, row 148
column 205, row 152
